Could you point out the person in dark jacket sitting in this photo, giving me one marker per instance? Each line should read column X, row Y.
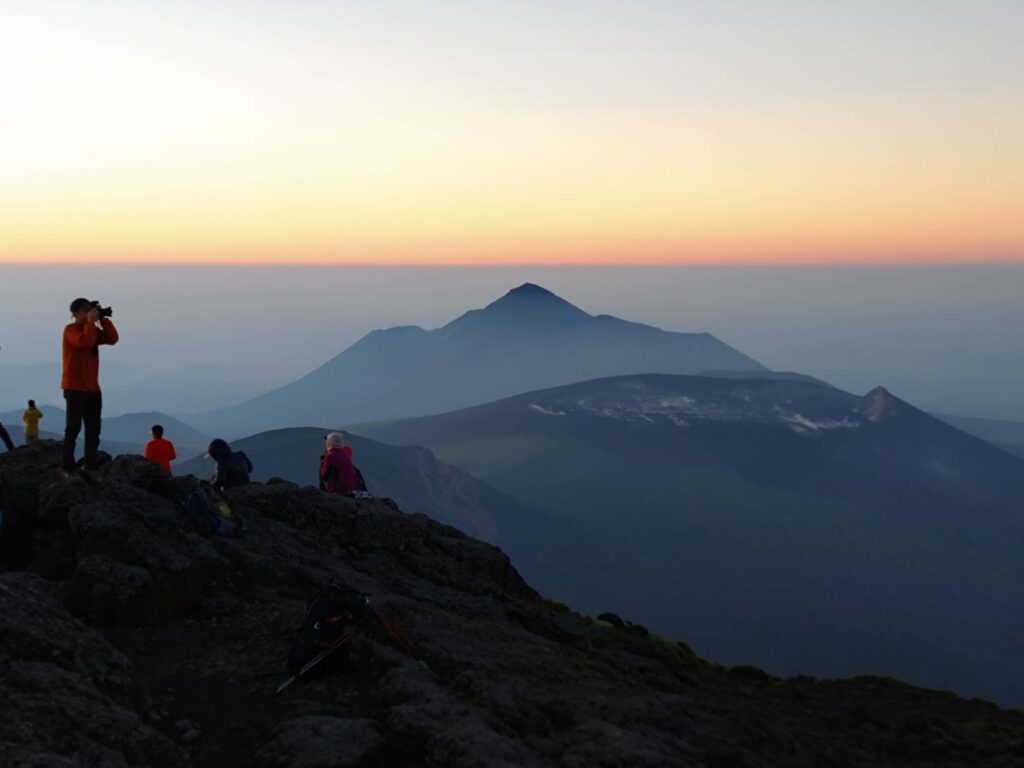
column 337, row 474
column 233, row 467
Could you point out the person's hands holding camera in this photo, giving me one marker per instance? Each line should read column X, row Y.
column 94, row 315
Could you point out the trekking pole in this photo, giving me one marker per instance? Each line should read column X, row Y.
column 317, row 659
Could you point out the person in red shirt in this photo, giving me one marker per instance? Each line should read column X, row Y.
column 80, row 378
column 160, row 451
column 337, row 474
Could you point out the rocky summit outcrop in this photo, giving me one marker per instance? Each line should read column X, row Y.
column 127, row 639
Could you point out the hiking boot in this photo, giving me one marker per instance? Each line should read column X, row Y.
column 79, row 474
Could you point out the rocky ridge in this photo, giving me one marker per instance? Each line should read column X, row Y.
column 126, row 639
column 805, row 407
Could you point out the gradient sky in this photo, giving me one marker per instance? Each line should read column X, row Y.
column 473, row 131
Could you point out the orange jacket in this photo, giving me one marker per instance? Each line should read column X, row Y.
column 81, row 354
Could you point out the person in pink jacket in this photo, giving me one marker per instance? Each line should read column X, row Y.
column 337, row 473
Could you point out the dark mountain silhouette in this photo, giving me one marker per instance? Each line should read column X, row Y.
column 126, row 639
column 782, row 522
column 527, row 339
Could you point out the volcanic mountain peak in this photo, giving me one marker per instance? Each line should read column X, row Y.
column 531, row 289
column 526, row 340
column 529, row 303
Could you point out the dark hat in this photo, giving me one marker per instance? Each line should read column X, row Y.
column 79, row 304
column 219, row 449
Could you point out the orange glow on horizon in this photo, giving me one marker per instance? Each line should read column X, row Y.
column 596, row 257
column 349, row 136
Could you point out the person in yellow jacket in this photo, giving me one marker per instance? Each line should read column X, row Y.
column 31, row 417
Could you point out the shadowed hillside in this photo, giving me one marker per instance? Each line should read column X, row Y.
column 1008, row 435
column 126, row 639
column 418, row 482
column 782, row 522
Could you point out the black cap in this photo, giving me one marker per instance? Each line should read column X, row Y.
column 79, row 304
column 219, row 449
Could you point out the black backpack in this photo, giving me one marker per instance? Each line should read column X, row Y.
column 360, row 483
column 332, row 615
column 332, row 618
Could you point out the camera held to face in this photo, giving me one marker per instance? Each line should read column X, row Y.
column 103, row 311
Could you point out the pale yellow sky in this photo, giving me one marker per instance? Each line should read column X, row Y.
column 511, row 132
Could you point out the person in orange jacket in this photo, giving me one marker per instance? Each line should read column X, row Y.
column 80, row 378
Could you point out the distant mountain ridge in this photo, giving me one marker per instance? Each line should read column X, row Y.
column 835, row 528
column 120, row 434
column 527, row 339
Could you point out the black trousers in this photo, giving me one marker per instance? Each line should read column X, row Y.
column 6, row 438
column 82, row 407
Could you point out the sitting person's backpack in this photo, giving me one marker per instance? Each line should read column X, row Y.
column 210, row 516
column 361, row 492
column 332, row 616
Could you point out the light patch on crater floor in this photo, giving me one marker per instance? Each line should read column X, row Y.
column 683, row 411
column 546, row 411
column 803, row 425
column 680, row 403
